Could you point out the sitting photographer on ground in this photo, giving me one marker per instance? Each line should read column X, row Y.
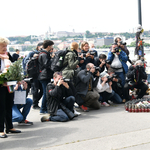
column 18, row 115
column 104, row 88
column 59, row 96
column 85, row 84
column 118, row 60
column 116, row 82
column 134, row 79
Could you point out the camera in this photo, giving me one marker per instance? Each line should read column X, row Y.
column 107, row 61
column 28, row 80
column 97, row 69
column 116, row 50
column 109, row 79
column 139, row 67
column 92, row 53
column 84, row 55
column 66, row 80
column 122, row 43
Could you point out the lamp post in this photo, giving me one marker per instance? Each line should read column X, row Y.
column 139, row 12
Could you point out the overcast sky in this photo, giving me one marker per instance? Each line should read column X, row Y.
column 28, row 17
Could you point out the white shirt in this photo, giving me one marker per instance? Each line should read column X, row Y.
column 99, row 88
column 2, row 65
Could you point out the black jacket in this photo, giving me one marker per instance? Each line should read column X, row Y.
column 86, row 60
column 97, row 63
column 117, row 86
column 83, row 78
column 44, row 65
column 132, row 74
column 55, row 95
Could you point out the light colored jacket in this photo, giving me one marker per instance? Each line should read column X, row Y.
column 71, row 61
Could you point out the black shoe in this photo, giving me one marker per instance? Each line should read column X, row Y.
column 13, row 131
column 3, row 136
column 25, row 122
column 36, row 107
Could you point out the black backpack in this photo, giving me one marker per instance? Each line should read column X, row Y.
column 32, row 67
column 57, row 61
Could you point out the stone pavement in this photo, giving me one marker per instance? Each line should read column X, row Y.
column 110, row 128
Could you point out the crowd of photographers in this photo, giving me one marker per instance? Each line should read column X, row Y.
column 86, row 81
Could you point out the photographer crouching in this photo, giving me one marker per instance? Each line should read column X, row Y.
column 135, row 77
column 60, row 100
column 104, row 88
column 116, row 82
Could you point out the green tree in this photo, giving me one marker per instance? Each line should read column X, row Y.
column 11, row 49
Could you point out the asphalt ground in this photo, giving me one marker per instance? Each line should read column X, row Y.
column 110, row 128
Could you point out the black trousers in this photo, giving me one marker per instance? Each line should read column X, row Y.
column 6, row 103
column 37, row 91
column 141, row 86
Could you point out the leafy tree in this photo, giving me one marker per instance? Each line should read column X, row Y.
column 11, row 49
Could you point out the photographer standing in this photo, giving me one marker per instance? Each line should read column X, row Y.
column 59, row 93
column 122, row 45
column 135, row 76
column 118, row 60
column 37, row 90
column 46, row 73
column 87, row 55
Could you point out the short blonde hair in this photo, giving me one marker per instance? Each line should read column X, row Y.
column 4, row 40
column 74, row 46
column 83, row 44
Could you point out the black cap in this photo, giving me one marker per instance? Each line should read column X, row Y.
column 40, row 44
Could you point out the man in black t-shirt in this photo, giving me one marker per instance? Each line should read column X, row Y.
column 16, row 55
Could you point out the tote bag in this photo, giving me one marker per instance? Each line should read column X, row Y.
column 20, row 97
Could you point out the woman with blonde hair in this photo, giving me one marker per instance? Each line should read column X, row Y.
column 6, row 98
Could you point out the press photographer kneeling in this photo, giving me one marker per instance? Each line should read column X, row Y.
column 60, row 100
column 135, row 77
column 104, row 88
column 116, row 82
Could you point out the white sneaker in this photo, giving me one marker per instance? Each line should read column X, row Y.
column 76, row 113
column 105, row 104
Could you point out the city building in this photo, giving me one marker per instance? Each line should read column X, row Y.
column 104, row 41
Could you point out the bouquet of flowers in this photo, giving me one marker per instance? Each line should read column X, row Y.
column 12, row 73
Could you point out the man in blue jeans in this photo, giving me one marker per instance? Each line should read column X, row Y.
column 46, row 73
column 59, row 94
column 18, row 115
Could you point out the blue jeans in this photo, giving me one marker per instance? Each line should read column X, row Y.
column 110, row 96
column 122, row 77
column 18, row 116
column 69, row 102
column 61, row 116
column 44, row 102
